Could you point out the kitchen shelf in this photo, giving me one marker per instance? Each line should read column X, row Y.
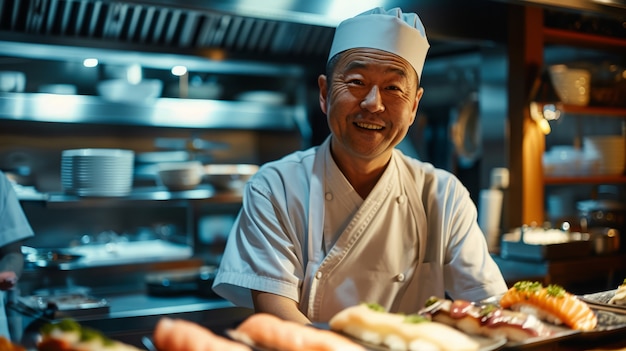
column 527, row 141
column 162, row 112
column 605, row 111
column 204, row 193
column 571, row 38
column 591, row 179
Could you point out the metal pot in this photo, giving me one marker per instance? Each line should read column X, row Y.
column 605, row 240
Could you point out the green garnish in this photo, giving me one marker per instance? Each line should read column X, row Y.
column 528, row 286
column 88, row 334
column 415, row 318
column 66, row 325
column 431, row 301
column 555, row 290
column 487, row 309
column 375, row 307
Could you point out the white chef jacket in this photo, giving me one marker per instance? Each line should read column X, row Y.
column 413, row 237
column 13, row 226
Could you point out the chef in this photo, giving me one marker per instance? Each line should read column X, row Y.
column 14, row 228
column 354, row 219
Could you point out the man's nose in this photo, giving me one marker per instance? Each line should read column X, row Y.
column 373, row 102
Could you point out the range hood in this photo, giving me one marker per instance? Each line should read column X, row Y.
column 155, row 27
column 273, row 30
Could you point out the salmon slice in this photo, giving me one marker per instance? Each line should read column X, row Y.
column 268, row 331
column 553, row 304
column 181, row 335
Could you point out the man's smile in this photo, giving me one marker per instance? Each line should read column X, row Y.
column 368, row 126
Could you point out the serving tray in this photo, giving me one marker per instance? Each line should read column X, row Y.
column 485, row 344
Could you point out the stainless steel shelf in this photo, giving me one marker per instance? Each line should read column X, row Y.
column 162, row 112
column 204, row 193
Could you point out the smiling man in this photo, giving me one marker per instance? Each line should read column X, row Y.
column 354, row 220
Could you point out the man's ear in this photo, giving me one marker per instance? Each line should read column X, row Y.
column 418, row 98
column 322, row 82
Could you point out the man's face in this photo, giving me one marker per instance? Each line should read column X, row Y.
column 370, row 103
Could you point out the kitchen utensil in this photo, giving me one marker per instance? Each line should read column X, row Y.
column 466, row 132
column 229, row 176
column 177, row 176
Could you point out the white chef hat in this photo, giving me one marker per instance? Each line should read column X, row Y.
column 399, row 33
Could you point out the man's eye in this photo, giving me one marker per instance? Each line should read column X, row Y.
column 394, row 87
column 355, row 82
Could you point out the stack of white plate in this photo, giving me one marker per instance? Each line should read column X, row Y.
column 611, row 152
column 97, row 172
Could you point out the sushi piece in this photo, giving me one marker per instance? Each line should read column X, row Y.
column 620, row 295
column 485, row 319
column 551, row 303
column 270, row 332
column 372, row 324
column 182, row 335
column 69, row 335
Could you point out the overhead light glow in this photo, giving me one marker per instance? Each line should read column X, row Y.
column 90, row 62
column 179, row 70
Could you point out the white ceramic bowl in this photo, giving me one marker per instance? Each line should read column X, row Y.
column 178, row 176
column 229, row 176
column 572, row 85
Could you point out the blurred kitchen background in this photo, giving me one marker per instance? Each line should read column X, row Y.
column 222, row 82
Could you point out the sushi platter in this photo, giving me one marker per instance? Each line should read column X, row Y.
column 500, row 323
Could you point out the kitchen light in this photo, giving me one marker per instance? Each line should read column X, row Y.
column 179, row 70
column 545, row 104
column 90, row 62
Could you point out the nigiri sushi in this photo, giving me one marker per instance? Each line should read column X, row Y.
column 267, row 331
column 551, row 303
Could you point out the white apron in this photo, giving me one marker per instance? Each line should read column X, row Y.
column 380, row 255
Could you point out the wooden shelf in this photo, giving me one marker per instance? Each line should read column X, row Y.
column 591, row 179
column 526, row 140
column 568, row 37
column 618, row 112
